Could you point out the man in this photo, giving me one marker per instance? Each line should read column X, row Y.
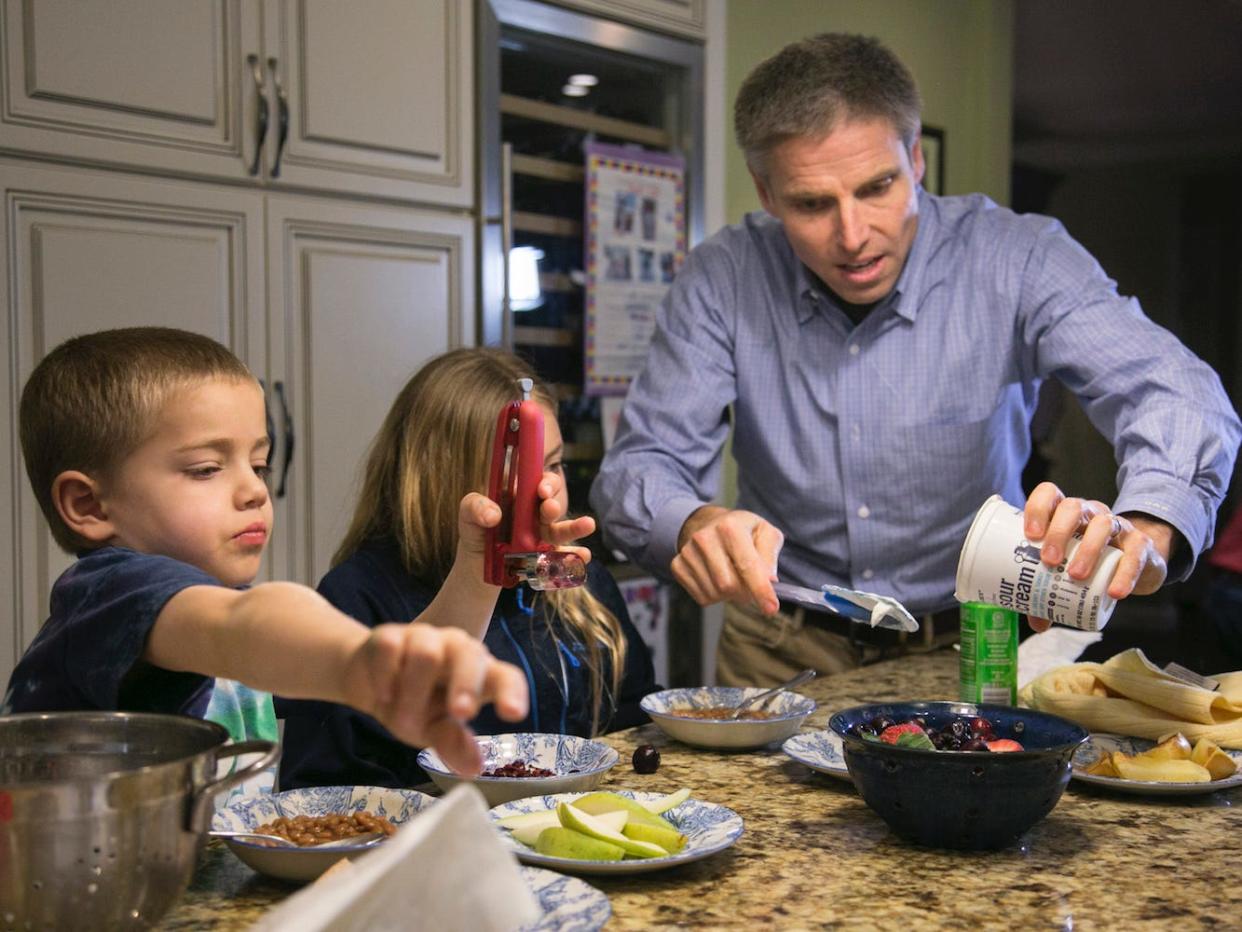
column 878, row 351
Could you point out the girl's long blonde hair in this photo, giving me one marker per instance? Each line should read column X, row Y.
column 434, row 447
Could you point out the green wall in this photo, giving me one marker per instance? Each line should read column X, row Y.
column 961, row 54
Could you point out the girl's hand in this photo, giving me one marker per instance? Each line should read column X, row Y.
column 554, row 504
column 424, row 683
column 475, row 515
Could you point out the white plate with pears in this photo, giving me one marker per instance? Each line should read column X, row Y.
column 615, row 832
column 1169, row 768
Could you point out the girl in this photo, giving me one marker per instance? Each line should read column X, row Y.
column 585, row 663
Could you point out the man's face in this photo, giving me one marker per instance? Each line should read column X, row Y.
column 849, row 205
column 195, row 490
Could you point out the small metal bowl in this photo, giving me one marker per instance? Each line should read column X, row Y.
column 788, row 710
column 578, row 765
column 102, row 814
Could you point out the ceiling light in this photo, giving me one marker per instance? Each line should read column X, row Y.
column 583, row 80
column 574, row 90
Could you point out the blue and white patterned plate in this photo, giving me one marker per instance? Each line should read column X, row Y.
column 569, row 904
column 708, row 828
column 787, row 711
column 1099, row 743
column 303, row 864
column 578, row 763
column 819, row 750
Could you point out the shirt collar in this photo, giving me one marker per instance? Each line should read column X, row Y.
column 916, row 277
column 906, row 296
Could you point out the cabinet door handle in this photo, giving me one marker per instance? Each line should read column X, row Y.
column 271, row 425
column 260, row 103
column 282, row 116
column 287, row 420
column 506, row 242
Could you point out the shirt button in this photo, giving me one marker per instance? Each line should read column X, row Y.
column 855, row 349
column 855, row 431
column 864, row 511
column 867, row 574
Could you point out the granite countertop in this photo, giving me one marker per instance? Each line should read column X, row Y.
column 814, row 856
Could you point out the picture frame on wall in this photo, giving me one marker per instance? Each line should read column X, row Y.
column 933, row 159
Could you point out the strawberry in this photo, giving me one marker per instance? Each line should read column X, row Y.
column 890, row 734
column 1004, row 744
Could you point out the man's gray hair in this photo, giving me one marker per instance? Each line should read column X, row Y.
column 807, row 87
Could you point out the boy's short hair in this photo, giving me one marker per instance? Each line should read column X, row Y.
column 94, row 399
column 809, row 86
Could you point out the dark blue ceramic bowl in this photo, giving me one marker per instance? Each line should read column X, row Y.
column 961, row 799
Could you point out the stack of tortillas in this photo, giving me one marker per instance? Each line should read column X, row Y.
column 1129, row 695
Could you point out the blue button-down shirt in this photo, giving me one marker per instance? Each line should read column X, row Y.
column 872, row 446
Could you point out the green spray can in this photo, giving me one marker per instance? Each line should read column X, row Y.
column 989, row 660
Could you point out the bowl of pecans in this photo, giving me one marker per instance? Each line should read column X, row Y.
column 312, row 818
column 529, row 764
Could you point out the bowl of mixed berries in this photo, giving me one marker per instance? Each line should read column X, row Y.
column 956, row 774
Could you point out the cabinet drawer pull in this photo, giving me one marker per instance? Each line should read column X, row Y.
column 282, row 116
column 287, row 421
column 261, row 117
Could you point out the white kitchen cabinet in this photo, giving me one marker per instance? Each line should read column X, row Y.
column 359, row 298
column 370, row 97
column 338, row 302
column 685, row 18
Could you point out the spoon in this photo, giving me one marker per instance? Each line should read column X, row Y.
column 762, row 697
column 368, row 838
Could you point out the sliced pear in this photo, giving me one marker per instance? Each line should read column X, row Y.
column 559, row 842
column 671, row 842
column 1172, row 747
column 665, row 803
column 529, row 834
column 614, row 820
column 580, row 821
column 1207, row 754
column 1160, row 771
column 544, row 818
column 596, row 803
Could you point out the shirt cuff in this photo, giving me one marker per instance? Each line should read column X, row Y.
column 1181, row 508
column 666, row 528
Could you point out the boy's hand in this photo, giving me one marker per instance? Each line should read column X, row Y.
column 423, row 684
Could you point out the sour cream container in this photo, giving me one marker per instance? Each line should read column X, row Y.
column 999, row 566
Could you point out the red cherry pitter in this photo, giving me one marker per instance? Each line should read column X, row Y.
column 514, row 551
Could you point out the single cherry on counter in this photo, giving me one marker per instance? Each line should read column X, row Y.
column 646, row 759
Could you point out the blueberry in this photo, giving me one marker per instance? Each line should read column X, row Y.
column 646, row 759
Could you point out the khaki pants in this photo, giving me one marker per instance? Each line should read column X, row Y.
column 759, row 650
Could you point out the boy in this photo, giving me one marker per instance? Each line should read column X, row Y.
column 147, row 449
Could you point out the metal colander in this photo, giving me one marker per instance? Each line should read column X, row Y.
column 102, row 814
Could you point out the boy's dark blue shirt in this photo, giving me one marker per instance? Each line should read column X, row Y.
column 327, row 744
column 88, row 654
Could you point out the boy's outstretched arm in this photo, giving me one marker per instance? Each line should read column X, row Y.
column 421, row 682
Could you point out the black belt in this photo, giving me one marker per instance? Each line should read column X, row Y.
column 938, row 623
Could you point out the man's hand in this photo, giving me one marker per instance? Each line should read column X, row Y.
column 728, row 556
column 1145, row 543
column 423, row 684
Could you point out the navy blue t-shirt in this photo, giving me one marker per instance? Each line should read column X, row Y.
column 88, row 654
column 326, row 744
